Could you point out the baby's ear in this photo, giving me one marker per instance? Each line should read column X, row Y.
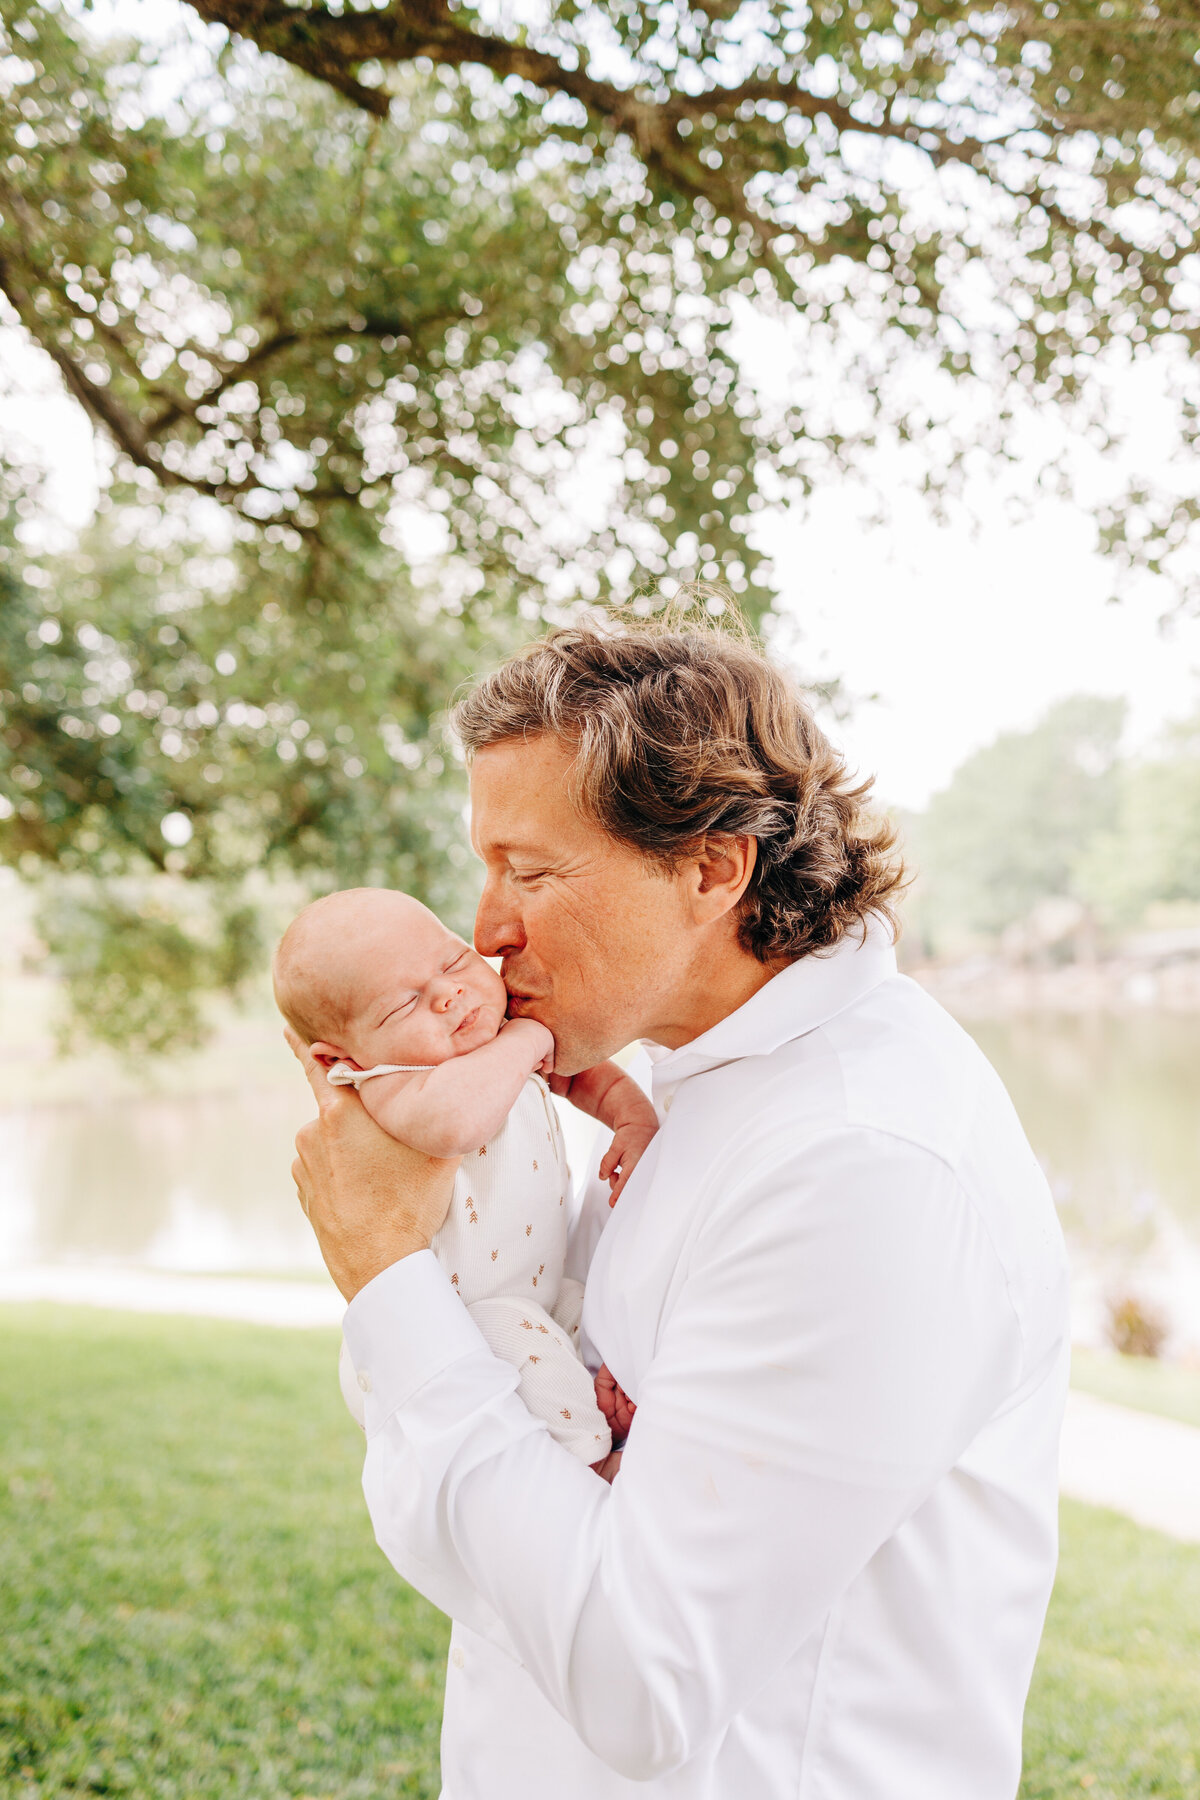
column 328, row 1054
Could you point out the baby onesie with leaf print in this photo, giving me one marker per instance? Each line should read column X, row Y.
column 503, row 1246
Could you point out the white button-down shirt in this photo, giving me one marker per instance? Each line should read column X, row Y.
column 836, row 1289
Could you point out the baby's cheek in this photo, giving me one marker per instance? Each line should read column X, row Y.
column 410, row 1044
column 492, row 983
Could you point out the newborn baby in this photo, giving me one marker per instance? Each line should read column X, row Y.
column 397, row 1006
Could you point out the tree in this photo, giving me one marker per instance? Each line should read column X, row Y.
column 592, row 196
column 1151, row 852
column 298, row 332
column 328, row 275
column 218, row 730
column 264, row 297
column 1015, row 821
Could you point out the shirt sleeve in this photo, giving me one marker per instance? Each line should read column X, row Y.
column 841, row 1332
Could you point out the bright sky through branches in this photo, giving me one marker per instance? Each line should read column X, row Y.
column 964, row 636
column 959, row 635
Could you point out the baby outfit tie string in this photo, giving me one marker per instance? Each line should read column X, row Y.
column 342, row 1075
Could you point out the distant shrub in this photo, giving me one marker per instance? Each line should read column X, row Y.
column 1134, row 1327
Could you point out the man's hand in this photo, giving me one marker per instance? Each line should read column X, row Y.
column 370, row 1199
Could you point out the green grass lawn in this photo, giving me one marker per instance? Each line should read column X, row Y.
column 1115, row 1707
column 192, row 1604
column 1137, row 1381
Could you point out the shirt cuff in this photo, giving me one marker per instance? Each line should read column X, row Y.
column 401, row 1330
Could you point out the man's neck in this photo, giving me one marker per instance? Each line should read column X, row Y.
column 715, row 986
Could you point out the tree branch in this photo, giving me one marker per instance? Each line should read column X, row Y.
column 331, row 46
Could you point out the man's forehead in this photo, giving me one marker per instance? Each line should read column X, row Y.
column 514, row 817
column 529, row 822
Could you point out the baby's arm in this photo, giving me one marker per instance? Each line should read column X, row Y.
column 461, row 1104
column 608, row 1094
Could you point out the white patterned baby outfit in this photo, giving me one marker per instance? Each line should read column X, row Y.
column 503, row 1246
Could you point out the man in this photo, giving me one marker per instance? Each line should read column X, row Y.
column 834, row 1287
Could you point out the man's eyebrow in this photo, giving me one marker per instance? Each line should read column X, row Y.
column 514, row 846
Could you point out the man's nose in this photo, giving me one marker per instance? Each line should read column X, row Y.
column 498, row 927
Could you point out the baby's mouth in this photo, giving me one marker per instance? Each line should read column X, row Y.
column 467, row 1020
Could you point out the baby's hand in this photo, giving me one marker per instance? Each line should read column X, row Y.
column 614, row 1403
column 628, row 1146
column 534, row 1040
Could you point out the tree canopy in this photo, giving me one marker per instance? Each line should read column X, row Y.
column 1148, row 860
column 1060, row 813
column 409, row 325
column 1014, row 822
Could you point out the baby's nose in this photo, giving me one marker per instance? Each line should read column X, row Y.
column 447, row 992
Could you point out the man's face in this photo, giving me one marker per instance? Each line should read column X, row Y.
column 595, row 941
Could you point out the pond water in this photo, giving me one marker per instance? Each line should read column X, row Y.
column 1112, row 1107
column 1110, row 1104
column 188, row 1184
column 159, row 1182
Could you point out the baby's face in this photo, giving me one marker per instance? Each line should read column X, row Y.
column 416, row 993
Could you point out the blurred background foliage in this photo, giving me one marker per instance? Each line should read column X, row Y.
column 404, row 334
column 1054, row 841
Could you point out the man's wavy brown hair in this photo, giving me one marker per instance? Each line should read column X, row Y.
column 686, row 734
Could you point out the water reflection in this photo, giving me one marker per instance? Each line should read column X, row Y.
column 197, row 1183
column 203, row 1183
column 193, row 1184
column 1110, row 1106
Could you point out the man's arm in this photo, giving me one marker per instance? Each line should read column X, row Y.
column 842, row 1333
column 452, row 1109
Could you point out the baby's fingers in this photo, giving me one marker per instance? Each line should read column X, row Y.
column 618, row 1183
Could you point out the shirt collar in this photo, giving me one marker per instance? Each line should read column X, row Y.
column 805, row 995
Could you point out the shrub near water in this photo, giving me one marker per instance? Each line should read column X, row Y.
column 193, row 1603
column 1134, row 1327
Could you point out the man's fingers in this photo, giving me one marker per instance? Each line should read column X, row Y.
column 314, row 1073
column 307, row 1134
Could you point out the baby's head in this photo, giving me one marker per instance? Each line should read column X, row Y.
column 370, row 976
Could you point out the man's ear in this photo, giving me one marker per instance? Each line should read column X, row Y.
column 328, row 1054
column 721, row 875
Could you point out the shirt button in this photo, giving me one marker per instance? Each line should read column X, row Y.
column 667, row 1104
column 458, row 1659
column 364, row 1381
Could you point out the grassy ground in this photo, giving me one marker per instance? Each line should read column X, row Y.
column 192, row 1605
column 1115, row 1707
column 1155, row 1387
